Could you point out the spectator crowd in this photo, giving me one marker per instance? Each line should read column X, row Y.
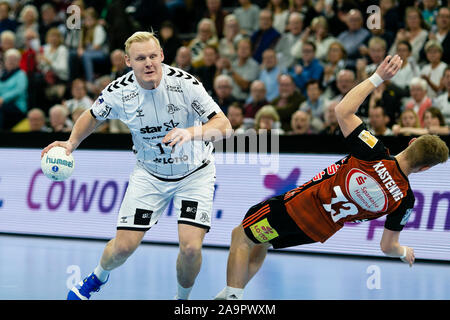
column 278, row 65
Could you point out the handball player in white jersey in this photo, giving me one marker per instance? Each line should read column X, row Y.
column 172, row 120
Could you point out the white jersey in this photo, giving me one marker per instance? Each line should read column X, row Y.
column 179, row 101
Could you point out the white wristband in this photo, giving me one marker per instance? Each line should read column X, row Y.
column 376, row 80
column 404, row 253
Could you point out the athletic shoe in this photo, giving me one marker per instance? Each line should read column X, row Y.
column 82, row 291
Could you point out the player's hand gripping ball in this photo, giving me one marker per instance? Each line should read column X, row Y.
column 56, row 165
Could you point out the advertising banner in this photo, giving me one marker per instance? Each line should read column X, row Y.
column 86, row 205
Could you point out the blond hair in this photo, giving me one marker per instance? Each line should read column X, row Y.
column 268, row 111
column 140, row 36
column 427, row 150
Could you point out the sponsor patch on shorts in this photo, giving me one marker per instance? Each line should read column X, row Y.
column 263, row 231
column 142, row 217
column 188, row 209
column 368, row 138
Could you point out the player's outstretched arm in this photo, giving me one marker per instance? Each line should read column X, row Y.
column 347, row 107
column 84, row 126
column 391, row 247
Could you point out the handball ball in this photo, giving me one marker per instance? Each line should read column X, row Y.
column 56, row 165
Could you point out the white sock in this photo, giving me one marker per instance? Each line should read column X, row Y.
column 222, row 294
column 234, row 293
column 183, row 293
column 101, row 273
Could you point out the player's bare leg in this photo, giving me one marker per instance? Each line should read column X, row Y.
column 189, row 258
column 118, row 250
column 244, row 260
column 114, row 255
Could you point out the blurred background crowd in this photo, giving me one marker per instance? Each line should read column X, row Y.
column 279, row 65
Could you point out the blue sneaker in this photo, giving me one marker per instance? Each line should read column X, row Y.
column 82, row 291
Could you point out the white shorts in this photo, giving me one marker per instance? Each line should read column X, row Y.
column 147, row 197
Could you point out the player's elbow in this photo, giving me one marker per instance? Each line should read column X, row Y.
column 386, row 247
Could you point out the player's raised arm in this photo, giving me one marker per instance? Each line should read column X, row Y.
column 347, row 107
column 84, row 126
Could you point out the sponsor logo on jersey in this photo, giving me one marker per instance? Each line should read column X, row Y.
column 140, row 113
column 172, row 108
column 168, row 126
column 174, row 160
column 389, row 183
column 174, row 88
column 130, row 96
column 406, row 216
column 198, row 108
column 368, row 138
column 365, row 191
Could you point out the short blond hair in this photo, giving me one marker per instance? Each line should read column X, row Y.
column 427, row 150
column 140, row 36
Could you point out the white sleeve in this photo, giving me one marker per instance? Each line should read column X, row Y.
column 201, row 102
column 104, row 107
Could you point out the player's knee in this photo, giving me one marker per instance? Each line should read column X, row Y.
column 123, row 249
column 238, row 236
column 191, row 249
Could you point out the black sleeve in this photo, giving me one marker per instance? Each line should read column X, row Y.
column 396, row 220
column 365, row 146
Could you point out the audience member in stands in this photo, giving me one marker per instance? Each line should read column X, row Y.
column 419, row 101
column 301, row 123
column 376, row 54
column 118, row 65
column 79, row 97
column 257, row 100
column 170, row 41
column 345, row 81
column 6, row 21
column 37, row 121
column 443, row 101
column 7, row 41
column 243, row 70
column 335, row 62
column 441, row 33
column 407, row 123
column 265, row 37
column 314, row 104
column 208, row 71
column 270, row 71
column 13, row 91
column 409, row 68
column 231, row 37
column 378, row 122
column 29, row 19
column 319, row 35
column 307, row 68
column 267, row 121
column 247, row 15
column 49, row 20
column 331, row 125
column 434, row 121
column 59, row 119
column 429, row 12
column 235, row 114
column 414, row 32
column 206, row 35
column 53, row 63
column 355, row 35
column 93, row 45
column 288, row 101
column 288, row 40
column 183, row 60
column 280, row 11
column 217, row 14
column 306, row 9
column 434, row 70
column 223, row 87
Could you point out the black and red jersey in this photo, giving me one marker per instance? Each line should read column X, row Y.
column 365, row 185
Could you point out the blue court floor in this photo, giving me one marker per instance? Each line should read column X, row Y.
column 41, row 268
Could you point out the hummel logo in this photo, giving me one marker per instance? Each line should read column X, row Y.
column 171, row 125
